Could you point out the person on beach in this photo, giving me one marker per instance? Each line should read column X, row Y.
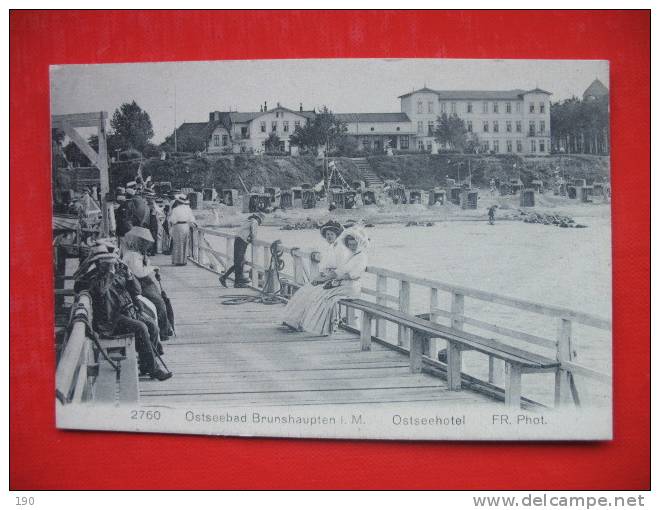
column 247, row 233
column 491, row 214
column 331, row 257
column 320, row 316
column 180, row 221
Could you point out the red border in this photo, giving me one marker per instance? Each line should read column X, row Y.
column 42, row 457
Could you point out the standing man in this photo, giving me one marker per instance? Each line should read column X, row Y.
column 247, row 232
column 491, row 214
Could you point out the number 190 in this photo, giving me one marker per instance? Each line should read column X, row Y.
column 24, row 500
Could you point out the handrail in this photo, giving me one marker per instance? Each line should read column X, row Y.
column 562, row 344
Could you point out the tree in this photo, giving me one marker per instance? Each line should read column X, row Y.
column 132, row 126
column 272, row 143
column 451, row 131
column 326, row 130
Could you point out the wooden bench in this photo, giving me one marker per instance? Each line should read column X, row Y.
column 517, row 361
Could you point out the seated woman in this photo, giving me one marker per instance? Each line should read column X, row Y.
column 138, row 242
column 321, row 313
column 331, row 256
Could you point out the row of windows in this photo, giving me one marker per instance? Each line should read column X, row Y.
column 509, row 127
column 495, row 146
column 485, row 106
column 274, row 124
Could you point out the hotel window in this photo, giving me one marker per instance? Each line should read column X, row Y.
column 225, row 140
column 518, row 107
column 496, row 126
column 403, row 142
column 485, row 147
column 496, row 107
column 430, row 128
column 485, row 126
column 518, row 145
column 531, row 107
column 508, row 108
column 420, row 145
column 496, row 145
column 216, row 140
column 443, row 107
column 469, row 126
column 296, row 124
column 372, row 128
column 541, row 109
column 420, row 126
column 533, row 146
column 273, row 126
column 453, row 108
column 285, row 126
column 430, row 106
column 541, row 145
column 532, row 128
column 263, row 127
column 518, row 126
column 508, row 126
column 429, row 146
column 420, row 107
column 484, row 107
column 509, row 146
column 469, row 107
column 541, row 126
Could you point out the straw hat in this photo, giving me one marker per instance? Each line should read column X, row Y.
column 130, row 192
column 140, row 233
column 333, row 226
column 257, row 216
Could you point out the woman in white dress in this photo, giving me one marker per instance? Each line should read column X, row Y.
column 180, row 220
column 332, row 254
column 320, row 315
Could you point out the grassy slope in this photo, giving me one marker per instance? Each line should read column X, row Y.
column 418, row 170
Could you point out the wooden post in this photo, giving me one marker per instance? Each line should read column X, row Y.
column 102, row 163
column 404, row 306
column 562, row 377
column 433, row 317
column 128, row 378
column 254, row 276
column 365, row 330
column 229, row 252
column 266, row 262
column 381, row 291
column 512, row 385
column 491, row 369
column 416, row 347
column 457, row 310
column 454, row 365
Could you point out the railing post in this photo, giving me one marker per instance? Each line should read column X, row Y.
column 433, row 317
column 404, row 306
column 365, row 330
column 454, row 354
column 254, row 274
column 266, row 262
column 202, row 258
column 229, row 252
column 564, row 353
column 381, row 292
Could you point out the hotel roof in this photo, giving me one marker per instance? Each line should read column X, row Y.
column 373, row 117
column 478, row 94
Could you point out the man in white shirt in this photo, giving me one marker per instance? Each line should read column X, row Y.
column 247, row 232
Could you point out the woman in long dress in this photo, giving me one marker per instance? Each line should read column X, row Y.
column 320, row 315
column 332, row 254
column 181, row 219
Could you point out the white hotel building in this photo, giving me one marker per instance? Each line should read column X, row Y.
column 505, row 121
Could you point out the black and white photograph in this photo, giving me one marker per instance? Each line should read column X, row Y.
column 409, row 249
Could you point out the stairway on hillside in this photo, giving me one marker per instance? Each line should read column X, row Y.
column 368, row 175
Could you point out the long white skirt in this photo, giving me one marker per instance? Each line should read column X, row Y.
column 180, row 234
column 317, row 310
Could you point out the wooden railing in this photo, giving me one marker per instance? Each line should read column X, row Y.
column 304, row 266
column 83, row 375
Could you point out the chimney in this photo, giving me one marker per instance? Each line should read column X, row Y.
column 278, row 104
column 301, row 107
column 211, row 116
column 261, row 108
column 265, row 106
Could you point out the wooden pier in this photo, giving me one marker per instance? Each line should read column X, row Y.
column 238, row 355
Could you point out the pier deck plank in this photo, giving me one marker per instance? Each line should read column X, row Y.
column 239, row 355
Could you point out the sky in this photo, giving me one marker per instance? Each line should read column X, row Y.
column 344, row 85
